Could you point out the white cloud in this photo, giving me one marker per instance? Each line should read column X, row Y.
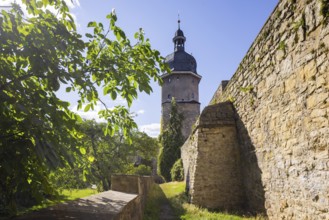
column 152, row 130
column 140, row 112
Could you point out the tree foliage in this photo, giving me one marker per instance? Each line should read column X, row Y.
column 171, row 141
column 42, row 52
column 177, row 171
column 105, row 155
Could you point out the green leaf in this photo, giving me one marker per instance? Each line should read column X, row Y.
column 113, row 95
column 45, row 2
column 118, row 35
column 87, row 107
column 92, row 24
column 136, row 35
column 91, row 159
column 106, row 90
column 39, row 4
column 89, row 35
column 68, row 89
column 32, row 140
column 106, row 130
column 82, row 150
column 84, row 175
column 93, row 77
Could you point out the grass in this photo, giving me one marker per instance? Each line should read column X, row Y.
column 74, row 194
column 155, row 199
column 174, row 193
column 173, row 189
column 64, row 196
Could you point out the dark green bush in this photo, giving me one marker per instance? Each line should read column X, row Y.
column 141, row 170
column 177, row 171
column 171, row 141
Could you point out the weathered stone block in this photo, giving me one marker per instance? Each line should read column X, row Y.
column 310, row 70
column 290, row 83
column 316, row 100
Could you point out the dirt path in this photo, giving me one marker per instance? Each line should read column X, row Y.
column 167, row 212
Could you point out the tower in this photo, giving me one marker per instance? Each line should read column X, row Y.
column 182, row 84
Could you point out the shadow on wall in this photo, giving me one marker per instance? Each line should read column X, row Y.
column 251, row 173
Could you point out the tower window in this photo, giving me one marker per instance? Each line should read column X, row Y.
column 177, row 77
column 169, row 79
column 169, row 96
column 192, row 80
column 192, row 95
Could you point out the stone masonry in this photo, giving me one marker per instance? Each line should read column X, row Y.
column 280, row 94
column 215, row 153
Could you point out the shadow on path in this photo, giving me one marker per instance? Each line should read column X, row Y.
column 101, row 206
column 167, row 212
column 159, row 206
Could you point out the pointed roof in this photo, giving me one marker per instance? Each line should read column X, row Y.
column 179, row 60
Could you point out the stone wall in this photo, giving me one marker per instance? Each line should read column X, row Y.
column 280, row 92
column 132, row 184
column 131, row 211
column 211, row 160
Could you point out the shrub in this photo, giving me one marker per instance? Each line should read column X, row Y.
column 141, row 170
column 158, row 179
column 177, row 171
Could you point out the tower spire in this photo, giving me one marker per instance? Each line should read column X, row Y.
column 179, row 38
column 178, row 22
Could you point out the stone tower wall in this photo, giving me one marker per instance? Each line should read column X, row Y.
column 184, row 87
column 280, row 92
column 190, row 111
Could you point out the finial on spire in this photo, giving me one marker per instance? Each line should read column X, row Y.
column 179, row 38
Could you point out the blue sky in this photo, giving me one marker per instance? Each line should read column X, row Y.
column 218, row 32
